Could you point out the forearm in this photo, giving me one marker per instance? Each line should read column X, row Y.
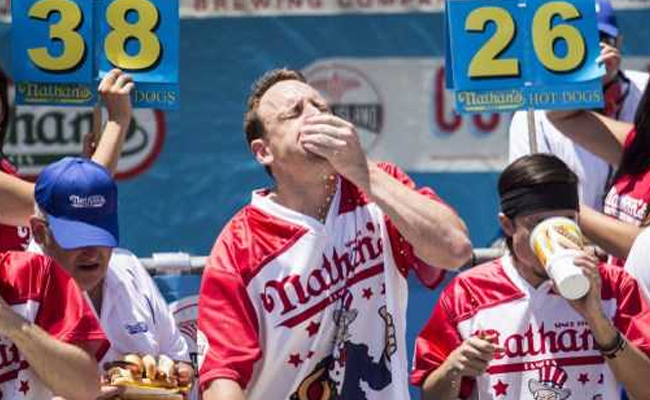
column 630, row 366
column 55, row 362
column 600, row 135
column 613, row 236
column 111, row 142
column 438, row 235
column 17, row 200
column 441, row 384
column 224, row 389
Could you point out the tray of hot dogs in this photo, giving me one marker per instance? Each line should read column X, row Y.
column 145, row 378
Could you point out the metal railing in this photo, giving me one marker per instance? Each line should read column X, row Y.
column 184, row 263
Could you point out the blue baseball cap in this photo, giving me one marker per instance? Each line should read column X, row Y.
column 80, row 199
column 606, row 19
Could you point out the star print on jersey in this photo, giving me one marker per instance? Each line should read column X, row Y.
column 313, row 328
column 500, row 389
column 24, row 387
column 584, row 378
column 367, row 293
column 295, row 360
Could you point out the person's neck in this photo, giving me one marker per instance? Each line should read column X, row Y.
column 96, row 296
column 311, row 198
column 527, row 273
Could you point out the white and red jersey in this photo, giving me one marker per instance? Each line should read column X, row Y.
column 43, row 293
column 628, row 197
column 548, row 345
column 12, row 237
column 294, row 309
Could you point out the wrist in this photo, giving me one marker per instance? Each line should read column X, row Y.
column 605, row 334
column 363, row 176
column 612, row 349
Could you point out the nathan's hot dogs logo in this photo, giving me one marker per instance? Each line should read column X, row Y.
column 352, row 96
column 38, row 136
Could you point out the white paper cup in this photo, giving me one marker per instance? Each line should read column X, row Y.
column 556, row 242
column 569, row 279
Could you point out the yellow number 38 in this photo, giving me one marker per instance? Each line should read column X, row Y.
column 66, row 28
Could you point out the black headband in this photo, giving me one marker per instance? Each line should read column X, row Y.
column 542, row 197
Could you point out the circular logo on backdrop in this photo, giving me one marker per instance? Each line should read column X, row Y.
column 352, row 96
column 38, row 136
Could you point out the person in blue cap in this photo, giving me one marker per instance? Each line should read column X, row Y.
column 17, row 195
column 76, row 224
column 622, row 90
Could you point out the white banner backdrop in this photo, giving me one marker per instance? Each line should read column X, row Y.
column 403, row 113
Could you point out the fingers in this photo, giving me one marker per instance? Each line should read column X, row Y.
column 329, row 119
column 323, row 140
column 185, row 373
column 331, row 130
column 116, row 82
column 472, row 358
column 124, row 83
column 586, row 261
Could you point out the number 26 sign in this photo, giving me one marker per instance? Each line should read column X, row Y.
column 62, row 48
column 507, row 55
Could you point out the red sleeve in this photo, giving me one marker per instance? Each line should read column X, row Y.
column 66, row 315
column 403, row 252
column 632, row 317
column 629, row 138
column 434, row 344
column 227, row 321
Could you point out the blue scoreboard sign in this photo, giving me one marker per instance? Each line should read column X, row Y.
column 62, row 48
column 507, row 55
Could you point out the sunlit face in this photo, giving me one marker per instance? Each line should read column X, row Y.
column 520, row 232
column 283, row 110
column 87, row 265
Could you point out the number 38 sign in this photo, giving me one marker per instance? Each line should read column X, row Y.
column 63, row 47
column 507, row 55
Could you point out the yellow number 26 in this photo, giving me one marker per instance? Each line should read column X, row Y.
column 486, row 62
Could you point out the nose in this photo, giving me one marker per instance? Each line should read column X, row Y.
column 89, row 254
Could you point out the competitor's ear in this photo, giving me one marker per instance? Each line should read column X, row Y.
column 507, row 225
column 261, row 152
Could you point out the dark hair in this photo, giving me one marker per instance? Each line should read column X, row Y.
column 253, row 126
column 4, row 108
column 535, row 169
column 636, row 157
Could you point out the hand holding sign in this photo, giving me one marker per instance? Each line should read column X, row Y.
column 530, row 53
column 61, row 51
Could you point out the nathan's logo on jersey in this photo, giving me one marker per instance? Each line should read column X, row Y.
column 539, row 341
column 138, row 327
column 628, row 208
column 10, row 361
column 352, row 96
column 356, row 261
column 38, row 136
column 550, row 384
column 94, row 201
